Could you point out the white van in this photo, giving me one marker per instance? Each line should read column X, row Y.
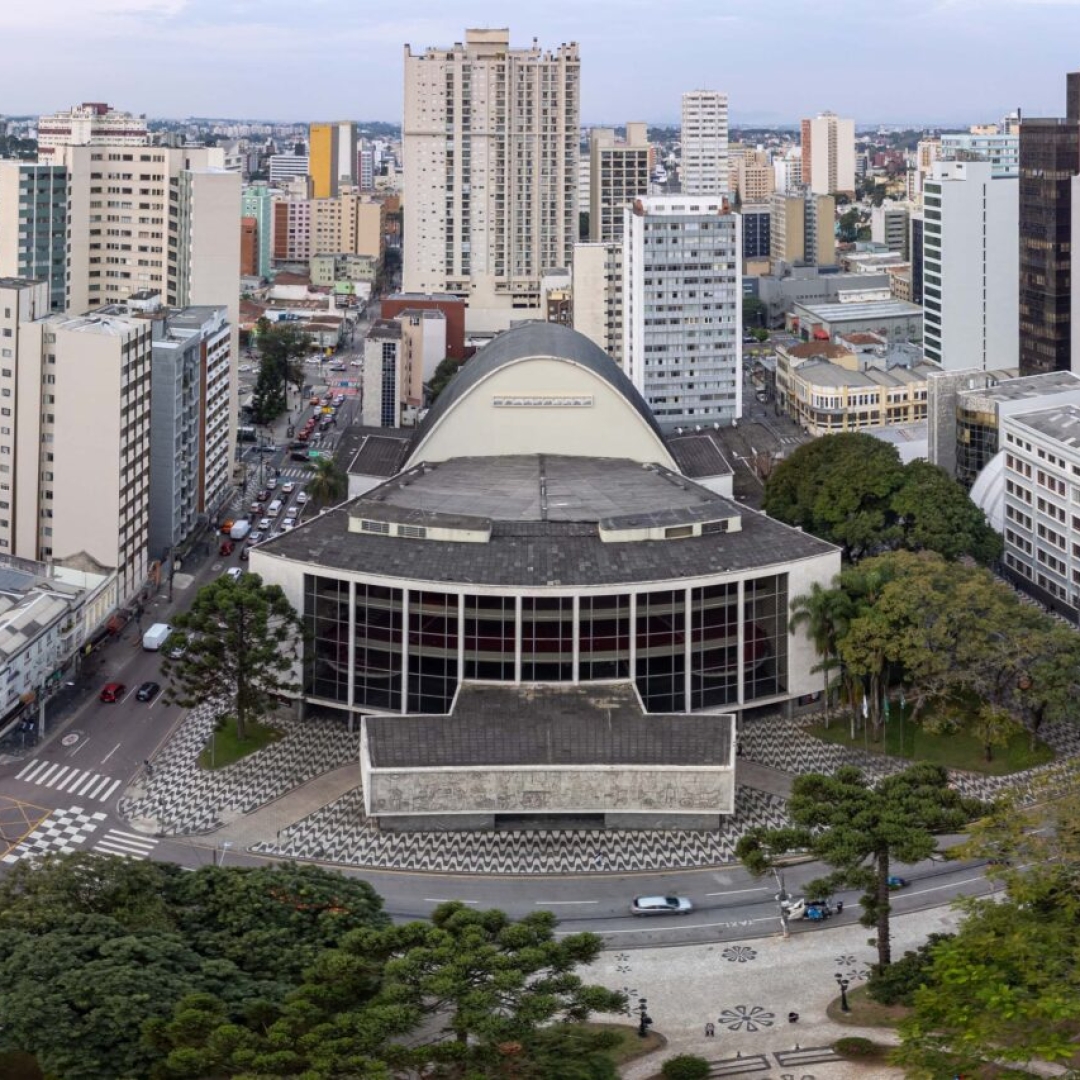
column 240, row 530
column 274, row 508
column 156, row 636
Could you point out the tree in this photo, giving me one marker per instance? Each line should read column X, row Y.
column 936, row 514
column 860, row 830
column 442, row 375
column 282, row 347
column 1006, row 986
column 839, row 487
column 268, row 400
column 849, row 225
column 753, row 312
column 852, row 490
column 243, row 639
column 824, row 613
column 329, row 483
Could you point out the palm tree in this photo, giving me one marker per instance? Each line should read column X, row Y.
column 329, row 483
column 825, row 613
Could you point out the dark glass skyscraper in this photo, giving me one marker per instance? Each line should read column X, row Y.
column 1049, row 159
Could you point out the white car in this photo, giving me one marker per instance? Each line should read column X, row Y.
column 264, row 524
column 301, row 498
column 288, row 487
column 255, row 537
column 234, row 572
column 289, row 523
column 245, row 367
column 356, row 363
column 660, row 905
column 312, row 360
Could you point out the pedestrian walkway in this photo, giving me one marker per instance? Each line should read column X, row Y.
column 62, row 832
column 129, row 845
column 764, row 999
column 85, row 783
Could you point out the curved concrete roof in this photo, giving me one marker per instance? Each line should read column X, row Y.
column 525, row 342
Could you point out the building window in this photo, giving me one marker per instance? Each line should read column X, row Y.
column 604, row 645
column 433, row 651
column 661, row 650
column 765, row 630
column 489, row 638
column 714, row 649
column 547, row 639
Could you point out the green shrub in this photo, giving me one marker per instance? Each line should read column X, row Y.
column 854, row 1046
column 685, row 1067
column 897, row 983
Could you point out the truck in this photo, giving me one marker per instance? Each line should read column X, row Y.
column 240, row 530
column 156, row 636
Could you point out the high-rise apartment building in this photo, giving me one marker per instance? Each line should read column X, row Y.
column 757, row 230
column 490, row 139
column 365, row 167
column 349, row 224
column 189, row 419
column 90, row 124
column 1049, row 159
column 704, row 141
column 682, row 302
column 788, row 171
column 753, row 178
column 34, row 225
column 331, row 157
column 828, row 154
column 596, row 306
column 257, row 201
column 285, row 167
column 889, row 226
column 970, row 252
column 74, row 445
column 802, row 229
column 618, row 174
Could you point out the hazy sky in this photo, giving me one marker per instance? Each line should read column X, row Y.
column 934, row 61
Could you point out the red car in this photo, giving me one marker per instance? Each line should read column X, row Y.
column 113, row 692
column 226, row 547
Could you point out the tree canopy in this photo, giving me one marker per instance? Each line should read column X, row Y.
column 1006, row 986
column 92, row 948
column 860, row 829
column 853, row 490
column 141, row 970
column 281, row 348
column 243, row 639
column 329, row 483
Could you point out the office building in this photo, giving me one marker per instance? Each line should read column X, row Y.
column 285, row 167
column 491, row 169
column 385, row 362
column 89, row 124
column 889, row 226
column 682, row 304
column 916, row 249
column 703, row 166
column 618, row 174
column 74, row 451
column 756, row 230
column 365, row 166
column 34, row 225
column 802, row 229
column 970, row 253
column 189, row 419
column 1049, row 159
column 1000, row 149
column 828, row 154
column 528, row 629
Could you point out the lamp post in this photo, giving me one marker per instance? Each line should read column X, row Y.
column 782, row 899
column 843, row 984
column 645, row 1020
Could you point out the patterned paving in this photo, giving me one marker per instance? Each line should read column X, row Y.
column 183, row 798
column 61, row 832
column 340, row 833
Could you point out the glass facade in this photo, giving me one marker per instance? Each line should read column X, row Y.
column 682, row 647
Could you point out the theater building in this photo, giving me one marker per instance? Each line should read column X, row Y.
column 542, row 617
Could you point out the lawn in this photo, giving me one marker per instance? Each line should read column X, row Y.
column 955, row 750
column 630, row 1046
column 865, row 1011
column 224, row 748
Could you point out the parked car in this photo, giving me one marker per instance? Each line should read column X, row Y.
column 226, row 547
column 148, row 691
column 112, row 692
column 660, row 905
column 234, row 572
column 176, row 645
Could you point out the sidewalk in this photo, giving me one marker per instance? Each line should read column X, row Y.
column 746, row 990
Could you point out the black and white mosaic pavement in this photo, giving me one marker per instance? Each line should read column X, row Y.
column 182, row 798
column 62, row 832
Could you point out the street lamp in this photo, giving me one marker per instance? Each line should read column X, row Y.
column 843, row 984
column 645, row 1020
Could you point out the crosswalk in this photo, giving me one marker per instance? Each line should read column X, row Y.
column 129, row 845
column 85, row 783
